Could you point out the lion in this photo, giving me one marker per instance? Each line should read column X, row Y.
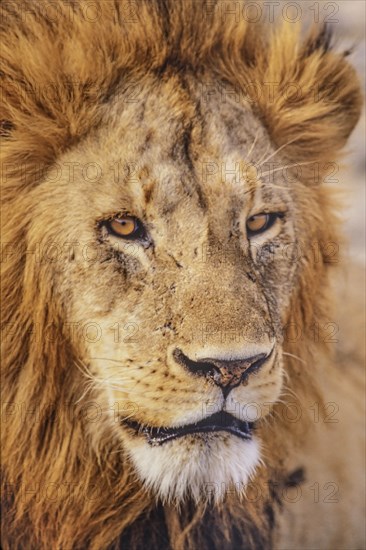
column 170, row 371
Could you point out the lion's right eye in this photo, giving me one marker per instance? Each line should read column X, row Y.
column 125, row 227
column 261, row 222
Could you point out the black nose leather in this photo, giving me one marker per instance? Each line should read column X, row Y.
column 226, row 374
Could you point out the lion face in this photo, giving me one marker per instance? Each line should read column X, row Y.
column 174, row 286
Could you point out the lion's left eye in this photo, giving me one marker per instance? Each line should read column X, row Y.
column 126, row 227
column 260, row 223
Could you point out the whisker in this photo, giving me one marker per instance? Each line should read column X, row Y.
column 285, row 167
column 107, row 359
column 276, row 151
column 295, row 357
column 121, row 364
column 257, row 165
column 289, row 392
column 88, row 388
column 103, row 384
column 84, row 369
column 247, row 159
column 124, row 374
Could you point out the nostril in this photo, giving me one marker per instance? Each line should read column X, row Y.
column 203, row 368
column 224, row 373
column 256, row 364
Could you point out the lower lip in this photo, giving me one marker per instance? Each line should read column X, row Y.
column 156, row 438
column 160, row 440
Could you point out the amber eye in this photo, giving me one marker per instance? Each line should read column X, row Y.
column 126, row 227
column 260, row 223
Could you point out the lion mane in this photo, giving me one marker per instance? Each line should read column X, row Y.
column 60, row 66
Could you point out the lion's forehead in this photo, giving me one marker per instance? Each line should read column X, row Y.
column 173, row 145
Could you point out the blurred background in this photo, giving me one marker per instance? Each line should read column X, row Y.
column 351, row 28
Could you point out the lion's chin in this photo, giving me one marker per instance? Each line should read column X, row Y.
column 203, row 467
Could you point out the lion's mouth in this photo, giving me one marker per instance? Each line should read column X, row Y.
column 218, row 422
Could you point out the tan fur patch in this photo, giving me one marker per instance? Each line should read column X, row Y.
column 103, row 117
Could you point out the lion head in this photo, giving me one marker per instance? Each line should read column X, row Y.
column 166, row 233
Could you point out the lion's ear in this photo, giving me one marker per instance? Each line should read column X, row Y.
column 316, row 99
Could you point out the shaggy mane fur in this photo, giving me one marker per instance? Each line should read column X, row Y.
column 58, row 71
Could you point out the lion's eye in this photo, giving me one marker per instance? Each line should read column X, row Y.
column 260, row 223
column 126, row 227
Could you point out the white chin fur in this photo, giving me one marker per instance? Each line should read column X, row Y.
column 204, row 468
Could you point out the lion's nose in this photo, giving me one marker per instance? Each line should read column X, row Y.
column 225, row 373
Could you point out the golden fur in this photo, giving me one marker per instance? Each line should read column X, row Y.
column 72, row 480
